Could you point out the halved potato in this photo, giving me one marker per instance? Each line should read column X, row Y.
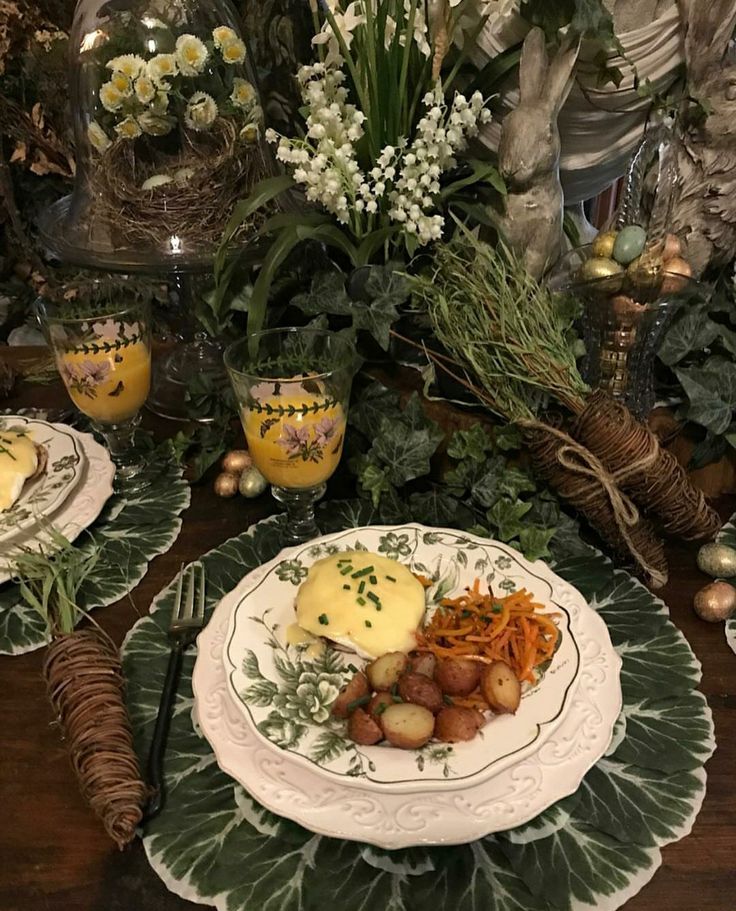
column 423, row 663
column 500, row 687
column 378, row 704
column 363, row 729
column 385, row 671
column 407, row 726
column 456, row 723
column 421, row 690
column 356, row 688
column 457, row 676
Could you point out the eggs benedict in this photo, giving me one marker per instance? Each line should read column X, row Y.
column 362, row 601
column 21, row 460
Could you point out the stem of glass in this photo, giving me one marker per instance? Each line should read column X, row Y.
column 301, row 524
column 120, row 439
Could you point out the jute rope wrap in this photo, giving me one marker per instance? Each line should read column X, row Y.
column 580, row 478
column 651, row 475
column 85, row 685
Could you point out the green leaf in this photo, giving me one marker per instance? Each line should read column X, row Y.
column 374, row 404
column 405, row 455
column 470, row 444
column 328, row 746
column 712, row 393
column 376, row 318
column 260, row 693
column 481, row 172
column 507, row 437
column 670, row 734
column 327, row 294
column 505, row 517
column 435, row 507
column 662, row 663
column 250, row 665
column 372, row 478
column 641, row 805
column 692, row 330
column 534, row 542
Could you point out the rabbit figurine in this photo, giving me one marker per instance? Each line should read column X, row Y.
column 703, row 209
column 529, row 155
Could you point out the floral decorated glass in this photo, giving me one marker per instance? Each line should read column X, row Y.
column 292, row 387
column 104, row 358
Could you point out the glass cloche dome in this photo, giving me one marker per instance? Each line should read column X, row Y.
column 168, row 130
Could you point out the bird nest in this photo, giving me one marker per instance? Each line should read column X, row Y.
column 209, row 173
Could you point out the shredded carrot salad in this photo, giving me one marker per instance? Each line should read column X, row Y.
column 484, row 628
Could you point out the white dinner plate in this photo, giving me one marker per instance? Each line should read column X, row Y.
column 442, row 812
column 41, row 497
column 286, row 696
column 78, row 511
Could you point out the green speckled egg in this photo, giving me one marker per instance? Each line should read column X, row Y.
column 629, row 244
column 717, row 560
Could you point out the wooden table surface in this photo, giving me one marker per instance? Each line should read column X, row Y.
column 56, row 857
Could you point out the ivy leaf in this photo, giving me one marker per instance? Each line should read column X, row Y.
column 376, row 318
column 506, row 515
column 507, row 437
column 372, row 478
column 405, row 455
column 375, row 402
column 470, row 444
column 534, row 542
column 435, row 507
column 711, row 391
column 327, row 294
column 692, row 330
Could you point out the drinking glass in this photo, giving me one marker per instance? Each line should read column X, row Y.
column 292, row 386
column 103, row 355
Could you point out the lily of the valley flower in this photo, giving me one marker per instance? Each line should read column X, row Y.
column 130, row 65
column 98, row 137
column 201, row 111
column 191, row 54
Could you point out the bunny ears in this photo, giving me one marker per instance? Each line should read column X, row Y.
column 541, row 80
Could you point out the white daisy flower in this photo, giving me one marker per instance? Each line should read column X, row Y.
column 223, row 35
column 201, row 111
column 130, row 65
column 128, row 128
column 250, row 132
column 161, row 67
column 191, row 54
column 154, row 124
column 98, row 137
column 111, row 97
column 233, row 51
column 145, row 89
column 121, row 82
column 243, row 94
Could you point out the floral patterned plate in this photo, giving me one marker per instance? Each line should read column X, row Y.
column 286, row 695
column 64, row 470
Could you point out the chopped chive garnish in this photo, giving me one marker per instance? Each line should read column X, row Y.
column 368, row 623
column 379, row 606
column 497, row 608
column 374, row 580
column 465, row 614
column 346, row 588
column 374, row 597
column 363, row 700
column 380, row 708
column 361, row 588
column 353, row 668
column 362, row 572
column 343, row 560
column 323, row 619
column 446, row 699
column 345, row 570
column 390, row 578
column 361, row 601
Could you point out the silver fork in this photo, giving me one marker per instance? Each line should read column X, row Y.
column 187, row 619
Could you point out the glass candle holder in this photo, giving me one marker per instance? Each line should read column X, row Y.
column 292, row 386
column 103, row 356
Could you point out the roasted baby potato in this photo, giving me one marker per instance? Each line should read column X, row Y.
column 456, row 723
column 500, row 687
column 374, row 707
column 356, row 688
column 385, row 671
column 363, row 729
column 420, row 690
column 457, row 676
column 423, row 663
column 407, row 726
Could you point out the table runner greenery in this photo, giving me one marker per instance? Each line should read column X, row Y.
column 129, row 533
column 727, row 535
column 215, row 845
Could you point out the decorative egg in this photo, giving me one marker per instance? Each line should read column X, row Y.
column 599, row 267
column 645, row 273
column 602, row 246
column 672, row 247
column 717, row 560
column 236, row 461
column 677, row 271
column 226, row 485
column 252, row 483
column 715, row 602
column 629, row 244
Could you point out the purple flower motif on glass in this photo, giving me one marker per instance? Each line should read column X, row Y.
column 325, row 431
column 293, row 439
column 84, row 377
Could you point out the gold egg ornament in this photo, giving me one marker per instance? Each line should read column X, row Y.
column 236, row 461
column 715, row 602
column 252, row 483
column 677, row 272
column 226, row 485
column 602, row 246
column 717, row 560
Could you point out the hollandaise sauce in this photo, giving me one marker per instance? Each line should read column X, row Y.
column 18, row 461
column 362, row 600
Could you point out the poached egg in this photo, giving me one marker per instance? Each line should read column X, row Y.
column 362, row 601
column 18, row 463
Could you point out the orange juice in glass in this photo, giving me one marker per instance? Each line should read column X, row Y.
column 292, row 387
column 104, row 359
